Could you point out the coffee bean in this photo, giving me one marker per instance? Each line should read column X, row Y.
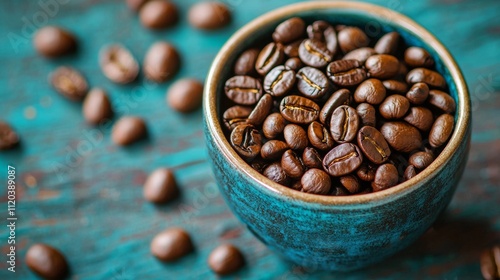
column 442, row 100
column 422, row 75
column 235, row 116
column 409, row 173
column 136, row 5
column 118, row 64
column 490, row 263
column 246, row 140
column 271, row 56
column 361, row 54
column 315, row 53
column 294, row 63
column 324, row 32
column 346, row 72
column 279, row 81
column 394, row 107
column 311, row 158
column 292, row 49
column 289, row 30
column 243, row 90
column 46, row 261
column 97, row 107
column 69, row 82
column 373, row 145
column 316, row 181
column 8, row 137
column 441, row 130
column 171, row 244
column 158, row 14
column 128, row 130
column 402, row 72
column 366, row 172
column 418, row 57
column 382, row 66
column 420, row 117
column 351, row 183
column 273, row 149
column 367, row 114
column 295, row 137
column 160, row 186
column 338, row 98
column 385, row 177
column 312, row 83
column 276, row 173
column 297, row 185
column 344, row 124
column 209, row 15
column 319, row 136
column 273, row 125
column 395, row 86
column 401, row 136
column 161, row 62
column 225, row 259
column 185, row 95
column 371, row 91
column 53, row 41
column 259, row 165
column 292, row 164
column 298, row 109
column 339, row 191
column 388, row 44
column 351, row 38
column 342, row 159
column 418, row 93
column 421, row 160
column 245, row 64
column 261, row 110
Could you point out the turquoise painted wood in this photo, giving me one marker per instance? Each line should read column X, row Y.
column 80, row 193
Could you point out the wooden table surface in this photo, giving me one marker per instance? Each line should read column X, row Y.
column 82, row 194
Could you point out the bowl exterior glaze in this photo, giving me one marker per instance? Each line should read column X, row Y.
column 336, row 233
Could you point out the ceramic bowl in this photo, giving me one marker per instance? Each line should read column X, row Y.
column 328, row 232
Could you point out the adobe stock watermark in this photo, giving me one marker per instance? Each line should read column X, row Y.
column 481, row 91
column 201, row 200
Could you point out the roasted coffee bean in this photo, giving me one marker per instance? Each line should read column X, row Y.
column 243, row 90
column 401, row 136
column 294, row 63
column 160, row 186
column 441, row 130
column 403, row 71
column 351, row 38
column 273, row 149
column 409, row 173
column 395, row 86
column 344, row 124
column 338, row 191
column 297, row 185
column 279, row 81
column 185, row 95
column 420, row 117
column 271, row 56
column 161, row 62
column 261, row 110
column 373, row 145
column 367, row 114
column 8, row 137
column 295, row 137
column 53, row 41
column 351, row 183
column 69, row 82
column 298, row 109
column 128, row 130
column 118, row 64
column 292, row 49
column 236, row 115
column 311, row 158
column 319, row 136
column 312, row 83
column 371, row 91
column 46, row 261
column 366, row 172
column 246, row 140
column 292, row 164
column 136, row 5
column 342, row 159
column 418, row 93
column 338, row 98
column 273, row 125
column 209, row 15
column 324, row 32
column 245, row 64
column 385, row 177
column 388, row 44
column 316, row 181
column 346, row 72
column 422, row 75
column 171, row 244
column 158, row 14
column 421, row 160
column 276, row 173
column 442, row 100
column 382, row 66
column 361, row 54
column 394, row 107
column 315, row 53
column 490, row 263
column 289, row 30
column 226, row 259
column 418, row 57
column 97, row 107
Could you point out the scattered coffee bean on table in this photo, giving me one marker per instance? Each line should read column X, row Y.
column 69, row 82
column 185, row 95
column 209, row 15
column 490, row 263
column 328, row 110
column 158, row 14
column 160, row 186
column 161, row 63
column 171, row 244
column 46, row 261
column 97, row 107
column 118, row 64
column 226, row 259
column 128, row 130
column 53, row 41
column 8, row 137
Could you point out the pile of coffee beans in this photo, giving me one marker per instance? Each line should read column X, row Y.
column 325, row 109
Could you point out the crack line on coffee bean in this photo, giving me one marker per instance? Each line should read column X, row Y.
column 377, row 147
column 345, row 157
column 346, row 124
column 324, row 140
column 311, row 50
column 300, row 107
column 235, row 120
column 65, row 84
column 251, row 90
column 278, row 79
column 309, row 82
column 247, row 140
column 114, row 60
column 268, row 58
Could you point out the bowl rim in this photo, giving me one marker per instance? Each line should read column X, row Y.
column 214, row 127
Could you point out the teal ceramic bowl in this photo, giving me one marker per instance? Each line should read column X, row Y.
column 328, row 232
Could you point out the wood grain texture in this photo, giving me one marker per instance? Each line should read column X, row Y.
column 82, row 194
